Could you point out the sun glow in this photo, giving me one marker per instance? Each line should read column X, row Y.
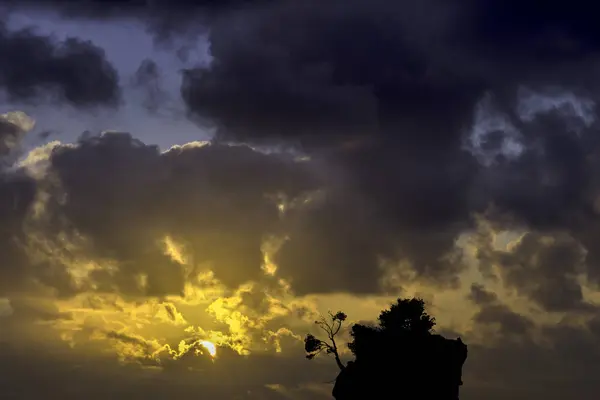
column 210, row 347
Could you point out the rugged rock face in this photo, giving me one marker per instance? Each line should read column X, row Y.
column 405, row 368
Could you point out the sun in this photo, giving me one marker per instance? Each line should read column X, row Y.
column 210, row 347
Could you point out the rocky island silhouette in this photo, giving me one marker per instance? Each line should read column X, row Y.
column 400, row 357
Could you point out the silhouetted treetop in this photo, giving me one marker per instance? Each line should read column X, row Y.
column 405, row 317
column 400, row 351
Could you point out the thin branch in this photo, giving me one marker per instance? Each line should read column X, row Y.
column 326, row 329
column 339, row 326
column 319, row 351
column 331, row 327
column 328, row 326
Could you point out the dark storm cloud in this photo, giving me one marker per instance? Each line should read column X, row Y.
column 107, row 6
column 332, row 259
column 545, row 268
column 382, row 95
column 17, row 193
column 167, row 19
column 547, row 272
column 521, row 26
column 357, row 78
column 13, row 128
column 222, row 202
column 493, row 312
column 318, row 71
column 395, row 85
column 125, row 197
column 73, row 70
column 9, row 136
column 507, row 320
column 479, row 295
column 356, row 70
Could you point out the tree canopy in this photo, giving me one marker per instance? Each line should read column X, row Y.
column 406, row 317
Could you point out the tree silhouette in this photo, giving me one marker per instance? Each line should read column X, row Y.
column 399, row 354
column 407, row 315
column 331, row 326
column 406, row 318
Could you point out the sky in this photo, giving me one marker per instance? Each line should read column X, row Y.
column 186, row 186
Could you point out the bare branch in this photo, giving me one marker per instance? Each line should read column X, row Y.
column 339, row 326
column 325, row 328
column 331, row 327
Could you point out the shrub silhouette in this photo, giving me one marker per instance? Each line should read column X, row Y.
column 400, row 357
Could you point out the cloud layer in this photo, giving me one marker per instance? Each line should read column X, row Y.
column 37, row 67
column 363, row 149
